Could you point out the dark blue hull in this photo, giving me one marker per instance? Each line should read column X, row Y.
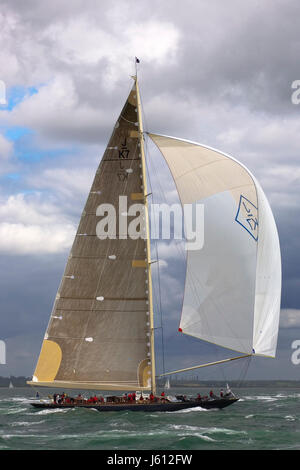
column 217, row 403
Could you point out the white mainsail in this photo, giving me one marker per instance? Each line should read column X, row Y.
column 233, row 283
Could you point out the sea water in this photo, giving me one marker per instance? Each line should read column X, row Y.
column 263, row 419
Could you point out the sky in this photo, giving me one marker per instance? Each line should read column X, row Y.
column 219, row 73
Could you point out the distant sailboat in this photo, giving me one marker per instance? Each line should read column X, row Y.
column 167, row 384
column 10, row 384
column 101, row 331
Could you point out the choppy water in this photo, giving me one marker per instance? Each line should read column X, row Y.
column 263, row 419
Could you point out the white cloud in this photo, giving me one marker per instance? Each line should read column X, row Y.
column 79, row 41
column 63, row 109
column 24, row 60
column 82, row 41
column 69, row 182
column 8, row 57
column 50, row 110
column 28, row 225
column 34, row 239
column 155, row 41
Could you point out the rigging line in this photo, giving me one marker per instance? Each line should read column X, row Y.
column 161, row 316
column 159, row 302
column 156, row 249
column 158, row 270
column 244, row 373
column 178, row 243
column 163, row 198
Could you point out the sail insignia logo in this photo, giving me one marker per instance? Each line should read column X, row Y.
column 247, row 216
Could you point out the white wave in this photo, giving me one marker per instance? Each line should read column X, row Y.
column 224, row 431
column 202, row 432
column 212, row 430
column 290, row 418
column 199, row 435
column 55, row 410
column 21, row 399
column 292, row 395
column 10, row 436
column 14, row 411
column 188, row 410
column 184, row 427
column 26, row 423
column 261, row 397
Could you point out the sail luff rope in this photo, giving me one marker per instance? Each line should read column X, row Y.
column 156, row 245
column 158, row 273
column 163, row 198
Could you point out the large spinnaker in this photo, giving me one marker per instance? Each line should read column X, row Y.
column 268, row 281
column 98, row 334
column 233, row 283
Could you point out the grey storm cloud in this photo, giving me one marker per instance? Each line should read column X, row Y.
column 215, row 72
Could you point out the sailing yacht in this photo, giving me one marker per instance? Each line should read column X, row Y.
column 100, row 334
column 167, row 384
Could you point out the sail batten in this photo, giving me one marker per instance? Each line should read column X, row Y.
column 233, row 282
column 118, row 386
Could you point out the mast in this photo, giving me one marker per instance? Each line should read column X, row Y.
column 148, row 246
